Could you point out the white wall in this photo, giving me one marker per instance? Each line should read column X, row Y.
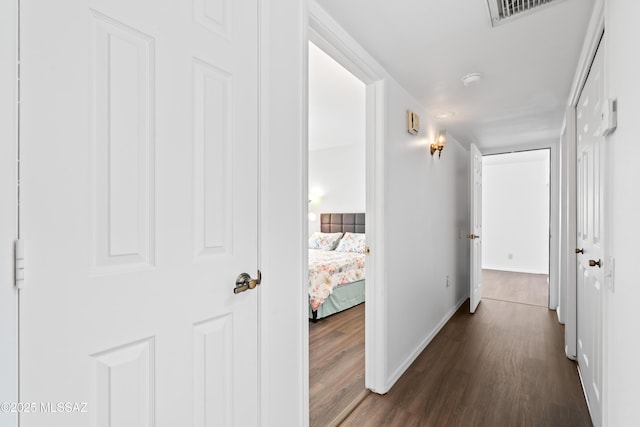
column 337, row 134
column 426, row 219
column 8, row 231
column 515, row 212
column 283, row 206
column 622, row 199
column 336, row 181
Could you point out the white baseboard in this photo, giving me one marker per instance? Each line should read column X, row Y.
column 569, row 356
column 559, row 314
column 413, row 356
column 584, row 392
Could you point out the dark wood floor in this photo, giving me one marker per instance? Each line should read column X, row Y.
column 523, row 288
column 336, row 366
column 502, row 366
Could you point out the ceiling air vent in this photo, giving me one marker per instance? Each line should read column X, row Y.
column 502, row 11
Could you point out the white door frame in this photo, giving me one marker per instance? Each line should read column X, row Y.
column 567, row 221
column 325, row 33
column 8, row 201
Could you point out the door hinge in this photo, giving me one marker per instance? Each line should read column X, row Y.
column 18, row 256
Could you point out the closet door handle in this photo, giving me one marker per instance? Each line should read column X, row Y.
column 579, row 251
column 593, row 263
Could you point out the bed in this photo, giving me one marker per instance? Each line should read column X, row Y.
column 336, row 276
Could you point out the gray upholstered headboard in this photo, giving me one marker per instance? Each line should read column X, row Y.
column 342, row 222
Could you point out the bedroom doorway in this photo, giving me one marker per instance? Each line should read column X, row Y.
column 516, row 227
column 337, row 205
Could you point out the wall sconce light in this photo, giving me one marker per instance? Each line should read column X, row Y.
column 313, row 199
column 439, row 143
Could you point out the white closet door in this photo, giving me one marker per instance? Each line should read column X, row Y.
column 590, row 261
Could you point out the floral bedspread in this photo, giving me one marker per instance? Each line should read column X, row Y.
column 329, row 269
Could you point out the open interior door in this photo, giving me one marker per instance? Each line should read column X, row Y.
column 139, row 211
column 475, row 229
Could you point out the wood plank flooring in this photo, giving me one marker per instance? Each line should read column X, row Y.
column 336, row 366
column 502, row 366
column 523, row 288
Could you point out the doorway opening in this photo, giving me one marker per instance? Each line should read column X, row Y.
column 516, row 221
column 337, row 188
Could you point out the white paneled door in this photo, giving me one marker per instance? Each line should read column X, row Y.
column 139, row 199
column 475, row 235
column 590, row 261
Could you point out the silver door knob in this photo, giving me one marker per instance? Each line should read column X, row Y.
column 244, row 282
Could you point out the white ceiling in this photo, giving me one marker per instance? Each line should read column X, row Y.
column 428, row 45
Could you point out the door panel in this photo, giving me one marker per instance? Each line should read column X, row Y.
column 589, row 237
column 475, row 285
column 122, row 83
column 139, row 136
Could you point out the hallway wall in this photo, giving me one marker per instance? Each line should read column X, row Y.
column 283, row 182
column 426, row 218
column 8, row 218
column 623, row 210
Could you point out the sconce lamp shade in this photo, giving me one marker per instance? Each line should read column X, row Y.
column 439, row 143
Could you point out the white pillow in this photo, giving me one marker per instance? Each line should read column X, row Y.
column 352, row 242
column 324, row 241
